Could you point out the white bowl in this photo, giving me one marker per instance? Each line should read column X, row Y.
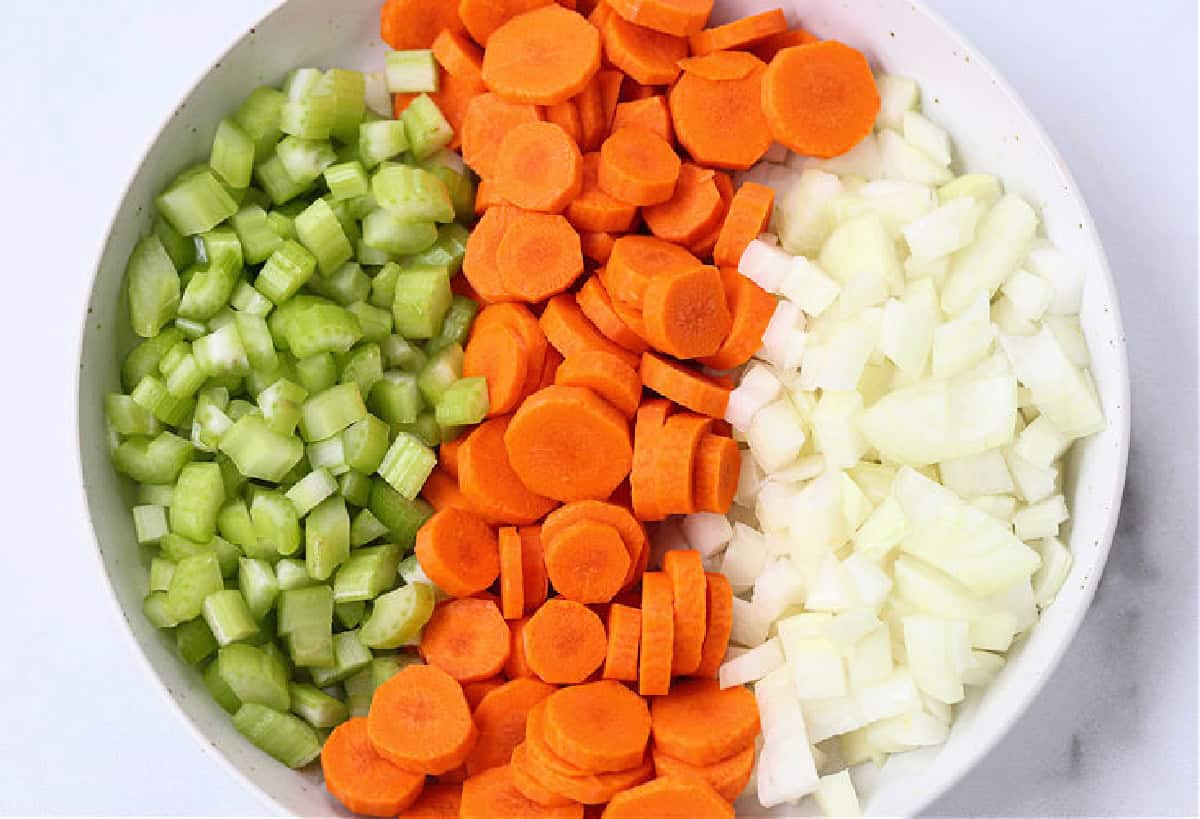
column 992, row 131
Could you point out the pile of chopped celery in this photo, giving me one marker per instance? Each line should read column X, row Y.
column 300, row 359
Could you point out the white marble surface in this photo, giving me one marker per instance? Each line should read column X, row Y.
column 1114, row 733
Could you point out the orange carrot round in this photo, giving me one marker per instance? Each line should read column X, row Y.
column 702, row 724
column 491, row 794
column 454, row 96
column 596, row 246
column 554, row 360
column 688, row 589
column 594, row 301
column 605, row 374
column 686, row 314
column 703, row 247
column 436, row 802
column 675, row 462
column 728, row 777
column 544, row 56
column 684, row 386
column 564, row 642
column 526, row 783
column 648, row 56
column 767, row 48
column 413, row 24
column 741, row 33
column 481, row 18
column 500, row 719
column 477, row 690
column 539, row 753
column 497, row 353
column 419, row 721
column 534, row 582
column 362, row 780
column 749, row 215
column 458, row 56
column 488, row 120
column 636, row 260
column 721, row 122
column 669, row 796
column 516, row 667
column 518, row 318
column 512, row 573
column 590, row 105
column 721, row 65
column 570, row 332
column 480, row 265
column 633, row 91
column 633, row 535
column 718, row 467
column 539, row 167
column 442, row 492
column 539, row 256
column 638, row 166
column 624, row 636
column 486, row 197
column 651, row 417
column 458, row 552
column 559, row 776
column 448, row 456
column 751, row 308
column 679, row 17
column 566, row 116
column 693, row 212
column 658, row 635
column 719, row 611
column 568, row 444
column 611, row 82
column 599, row 726
column 651, row 113
column 820, row 99
column 587, row 561
column 491, row 485
column 466, row 638
column 593, row 210
column 627, row 311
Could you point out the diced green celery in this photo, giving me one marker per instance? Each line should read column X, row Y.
column 349, row 94
column 345, row 285
column 427, row 129
column 260, row 452
column 153, row 287
column 155, row 494
column 383, row 286
column 257, row 584
column 421, row 301
column 412, row 194
column 355, row 487
column 156, row 610
column 363, row 366
column 195, row 578
column 411, row 72
column 311, row 117
column 199, row 495
column 364, row 443
column 345, row 216
column 282, row 224
column 247, row 300
column 229, row 617
column 347, row 180
column 232, row 157
column 456, row 326
column 365, row 528
column 210, row 287
column 195, row 640
column 425, row 429
column 143, row 359
column 233, row 524
column 376, row 322
column 328, row 454
column 396, row 235
column 191, row 330
column 280, row 404
column 209, row 422
column 349, row 614
column 327, row 537
column 221, row 352
column 317, row 372
column 407, row 465
column 305, row 607
column 448, row 251
column 360, row 689
column 173, row 357
column 234, row 480
column 239, row 408
column 329, row 412
column 461, row 190
column 382, row 140
column 305, row 159
column 396, row 399
column 181, row 249
column 400, row 352
column 300, row 82
column 364, row 254
column 401, row 516
column 397, row 617
column 368, row 573
column 350, row 657
column 186, row 378
column 320, row 326
column 256, row 340
column 161, row 570
column 195, row 202
column 312, row 646
column 219, row 689
column 310, row 490
column 223, row 317
column 128, row 417
column 287, row 269
column 465, row 402
column 259, row 240
column 442, row 370
column 292, row 574
column 277, row 182
column 177, row 547
column 276, row 524
column 286, row 738
column 253, row 676
column 153, row 460
column 316, row 707
column 319, row 230
column 259, row 118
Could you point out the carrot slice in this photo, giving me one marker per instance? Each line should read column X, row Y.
column 518, row 318
column 481, row 18
column 487, row 479
column 491, row 794
column 448, row 456
column 539, row 167
column 611, row 514
column 727, row 777
column 688, row 589
column 534, row 581
column 624, row 635
column 692, row 213
column 480, row 265
column 721, row 65
column 419, row 721
column 497, row 353
column 820, row 99
column 684, row 386
column 752, row 308
column 458, row 56
column 679, row 17
column 599, row 726
column 361, row 779
column 596, row 246
column 718, row 467
column 719, row 611
column 648, row 56
column 544, row 56
column 466, row 638
column 568, row 329
column 610, row 83
column 526, row 783
column 539, row 754
column 587, row 561
column 686, row 314
column 651, row 417
column 566, row 116
column 749, row 215
column 595, row 211
column 568, row 444
column 740, row 33
column 486, row 197
column 638, row 166
column 414, row 24
column 658, row 635
column 595, row 303
column 651, row 113
column 477, row 690
column 702, row 724
column 669, row 796
column 703, row 248
column 675, row 462
column 564, row 642
column 500, row 719
column 554, row 360
column 767, row 48
column 721, row 122
column 628, row 312
column 590, row 105
column 440, row 801
column 442, row 492
column 512, row 574
column 453, row 98
column 539, row 256
column 605, row 374
column 488, row 120
column 516, row 667
column 634, row 91
column 458, row 552
column 636, row 260
column 588, row 788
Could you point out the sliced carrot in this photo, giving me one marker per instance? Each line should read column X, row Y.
column 669, row 796
column 649, row 57
column 419, row 721
column 721, row 122
column 749, row 215
column 675, row 462
column 566, row 116
column 718, row 467
column 820, row 99
column 684, row 386
column 679, row 17
column 692, row 213
column 752, row 308
column 453, row 98
column 540, row 256
column 593, row 210
column 567, row 443
column 702, row 724
column 628, row 312
column 413, row 24
column 448, row 456
column 491, row 794
column 573, row 5
column 634, row 91
column 704, row 247
column 651, row 417
column 741, row 33
column 587, row 788
column 458, row 56
column 590, row 105
column 624, row 636
column 477, row 690
column 497, row 353
column 636, row 260
column 600, row 726
column 688, row 592
column 686, row 314
column 568, row 329
column 526, row 783
column 658, row 635
column 487, row 479
column 721, row 65
column 480, row 265
column 587, row 561
column 651, row 113
column 610, row 83
column 517, row 668
column 500, row 719
column 727, row 777
column 512, row 574
column 436, row 802
column 534, row 582
column 539, row 167
column 481, row 18
column 596, row 246
column 538, row 753
column 599, row 13
column 605, row 374
column 458, row 552
column 486, row 197
column 361, row 779
column 518, row 318
column 554, row 360
column 618, row 517
column 442, row 492
column 767, row 48
column 595, row 303
column 564, row 642
column 466, row 638
column 544, row 56
column 719, row 611
column 638, row 166
column 488, row 120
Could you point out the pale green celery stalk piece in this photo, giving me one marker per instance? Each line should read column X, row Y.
column 232, row 156
column 286, row 271
column 368, row 573
column 259, row 116
column 234, row 524
column 259, row 240
column 247, row 300
column 305, row 159
column 327, row 537
column 312, row 117
column 383, row 286
column 329, row 412
column 260, row 452
column 456, row 326
column 156, row 610
column 318, row 229
column 427, row 431
column 464, row 403
column 401, row 516
column 365, row 528
column 397, row 617
column 253, row 675
column 228, row 617
column 376, row 322
column 421, row 301
column 312, row 647
column 195, row 641
column 256, row 340
column 363, row 366
column 128, row 417
column 239, row 408
column 350, row 101
column 221, row 318
column 322, row 327
column 153, row 460
column 345, row 285
column 292, row 574
column 328, row 454
column 280, row 404
column 191, row 329
column 355, row 487
column 221, row 352
column 275, row 521
column 412, row 194
column 209, row 423
column 153, row 287
column 371, row 256
column 210, row 287
column 304, row 607
column 151, row 394
column 181, row 249
column 258, row 585
column 317, row 372
column 219, row 689
column 347, row 180
column 411, row 72
column 461, row 190
column 310, row 490
column 427, row 129
column 195, row 202
column 186, row 378
column 380, row 141
column 448, row 251
column 199, row 495
column 364, row 443
column 173, row 357
column 442, row 370
column 349, row 615
column 407, row 465
column 396, row 399
column 194, row 579
column 316, row 707
column 155, row 494
column 161, row 570
column 177, row 547
column 400, row 352
column 396, row 235
column 301, row 82
column 143, row 359
column 285, row 737
column 350, row 657
column 282, row 224
column 277, row 182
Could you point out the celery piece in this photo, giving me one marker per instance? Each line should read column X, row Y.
column 397, row 235
column 277, row 182
column 363, row 366
column 259, row 116
column 350, row 657
column 210, row 288
column 421, row 301
column 364, row 443
column 382, row 140
column 280, row 404
column 209, row 422
column 427, row 129
column 305, row 159
column 427, row 430
column 143, row 359
column 310, row 490
column 365, row 528
column 161, row 570
column 442, row 370
column 149, row 524
column 360, row 690
column 177, row 547
column 311, row 117
column 233, row 524
column 258, row 585
column 368, row 573
column 259, row 240
column 199, row 495
column 316, row 707
column 253, row 676
column 191, row 329
column 317, row 372
column 223, row 317
column 328, row 454
column 256, row 340
column 448, row 251
column 319, row 230
column 219, row 689
column 412, row 194
column 396, row 399
column 329, row 412
column 456, row 326
column 173, row 357
column 286, row 270
column 312, row 647
column 326, row 537
column 349, row 614
column 399, row 352
column 239, row 408
column 305, row 607
column 349, row 98
column 411, row 72
column 275, row 522
column 461, row 190
column 397, row 617
column 355, row 487
column 181, row 249
column 246, row 299
column 186, row 378
column 155, row 494
column 156, row 610
column 401, row 516
column 195, row 640
column 347, row 180
column 364, row 254
column 286, row 738
column 407, row 465
column 228, row 617
column 195, row 578
column 321, row 327
column 383, row 286
column 292, row 574
column 232, row 157
column 152, row 460
column 260, row 452
column 195, row 202
column 464, row 403
column 221, row 352
column 222, row 249
column 376, row 322
column 301, row 82
column 128, row 417
column 153, row 287
column 344, row 286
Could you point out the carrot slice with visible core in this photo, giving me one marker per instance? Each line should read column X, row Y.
column 481, row 18
column 516, row 667
column 488, row 120
column 595, row 211
column 500, row 719
column 480, row 265
column 648, row 56
column 538, row 752
column 752, row 309
column 419, row 721
column 688, row 589
column 599, row 726
column 740, row 33
column 476, row 691
column 526, row 783
column 512, row 574
column 658, row 636
column 624, row 636
column 564, row 642
column 458, row 56
column 534, row 581
column 685, row 313
column 721, row 122
column 497, row 354
column 669, row 796
column 568, row 329
column 442, row 492
column 545, row 56
column 702, row 724
column 718, row 467
column 651, row 113
column 491, row 794
column 539, row 256
column 605, row 374
column 647, row 430
column 636, row 260
column 728, row 777
column 458, row 552
column 361, row 779
column 679, row 17
column 767, row 48
column 638, row 166
column 685, row 386
column 721, row 65
column 518, row 318
column 618, row 517
column 594, row 301
column 692, row 213
column 749, row 215
column 587, row 561
column 467, row 638
column 440, row 801
column 719, row 611
column 539, row 167
column 490, row 483
column 414, row 24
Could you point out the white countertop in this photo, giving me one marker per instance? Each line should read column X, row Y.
column 85, row 731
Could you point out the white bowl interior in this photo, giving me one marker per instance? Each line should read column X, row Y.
column 992, row 132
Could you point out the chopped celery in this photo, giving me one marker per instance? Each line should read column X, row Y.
column 246, row 299
column 229, row 617
column 155, row 494
column 305, row 159
column 376, row 322
column 328, row 454
column 461, row 190
column 286, row 270
column 209, row 422
column 310, row 490
column 397, row 617
column 223, row 317
column 329, row 412
column 156, row 610
column 128, row 417
column 280, row 404
column 186, row 378
column 259, row 118
column 411, row 72
column 382, row 140
column 372, row 256
column 350, row 657
column 199, row 495
column 316, row 707
column 355, row 487
column 321, row 327
column 347, row 180
column 349, row 99
column 195, row 640
column 258, row 585
column 161, row 570
column 401, row 516
column 396, row 235
column 363, row 366
column 234, row 480
column 153, row 460
column 311, row 117
column 312, row 646
column 177, row 547
column 465, row 402
column 153, row 287
column 317, row 372
column 256, row 340
column 421, row 301
column 365, row 528
column 194, row 578
column 448, row 251
column 277, row 182
column 210, row 288
column 427, row 129
column 442, row 370
column 232, row 157
column 276, row 524
column 345, row 285
column 255, row 233
column 195, row 202
column 234, row 524
column 260, row 452
column 253, row 676
column 327, row 537
column 412, row 194
column 292, row 574
column 306, row 607
column 349, row 614
column 319, row 230
column 400, row 352
column 239, row 408
column 407, row 464
column 284, row 737
column 456, row 326
column 383, row 286
column 221, row 352
column 181, row 249
column 191, row 330
column 426, row 429
column 368, row 573
column 143, row 359
column 364, row 443
column 219, row 689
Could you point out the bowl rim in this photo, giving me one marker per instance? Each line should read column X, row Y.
column 953, row 772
